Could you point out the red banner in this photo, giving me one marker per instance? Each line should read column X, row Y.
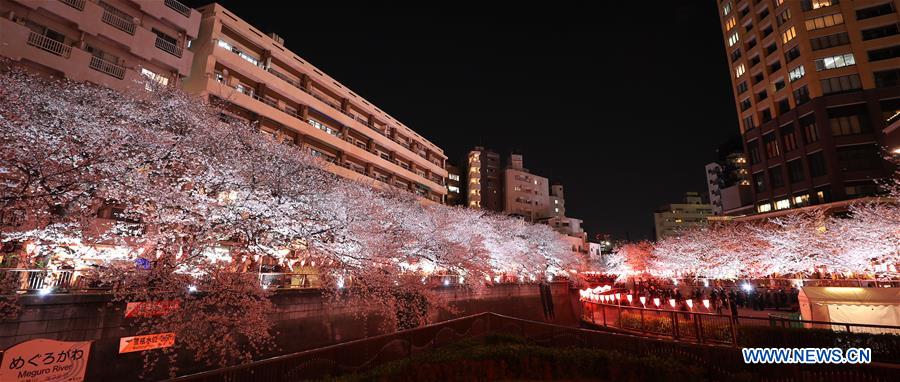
column 151, row 308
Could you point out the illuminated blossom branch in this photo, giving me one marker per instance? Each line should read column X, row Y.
column 198, row 197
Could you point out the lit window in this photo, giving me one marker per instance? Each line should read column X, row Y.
column 739, row 71
column 783, row 204
column 453, row 189
column 556, row 209
column 733, row 39
column 796, row 73
column 323, row 127
column 730, row 23
column 726, row 8
column 816, row 4
column 834, row 62
column 824, row 21
column 224, row 44
column 801, row 199
column 788, row 35
column 765, row 207
column 158, row 78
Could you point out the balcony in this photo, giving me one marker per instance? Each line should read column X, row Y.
column 168, row 47
column 107, row 67
column 118, row 20
column 49, row 45
column 77, row 4
column 179, row 7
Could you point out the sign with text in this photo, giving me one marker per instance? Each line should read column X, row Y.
column 43, row 360
column 147, row 342
column 151, row 308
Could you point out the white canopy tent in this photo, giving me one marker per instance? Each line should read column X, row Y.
column 873, row 306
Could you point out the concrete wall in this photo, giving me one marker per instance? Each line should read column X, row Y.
column 303, row 321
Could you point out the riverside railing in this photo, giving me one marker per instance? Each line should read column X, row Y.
column 712, row 328
column 722, row 362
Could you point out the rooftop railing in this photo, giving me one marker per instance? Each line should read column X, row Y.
column 179, row 7
column 77, row 4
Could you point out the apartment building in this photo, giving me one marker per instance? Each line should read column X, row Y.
column 816, row 83
column 262, row 81
column 526, row 194
column 557, row 201
column 111, row 43
column 671, row 218
column 484, row 180
column 454, row 185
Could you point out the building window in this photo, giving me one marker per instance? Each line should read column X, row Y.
column 776, row 177
column 783, row 204
column 753, row 149
column 816, row 164
column 849, row 120
column 733, row 39
column 801, row 200
column 736, row 55
column 861, row 189
column 859, row 157
column 771, row 143
column 764, row 207
column 788, row 35
column 453, row 177
column 158, row 78
column 739, row 71
column 742, row 87
column 879, row 32
column 748, row 123
column 762, row 95
column 795, row 170
column 453, row 189
column 829, row 41
column 730, row 23
column 824, row 21
column 759, row 182
column 766, row 115
column 779, row 84
column 835, row 62
column 884, row 53
column 878, row 10
column 808, row 5
column 783, row 17
column 840, row 84
column 726, row 8
column 783, row 106
column 796, row 73
column 745, row 104
column 801, row 95
column 792, row 54
column 789, row 137
column 810, row 131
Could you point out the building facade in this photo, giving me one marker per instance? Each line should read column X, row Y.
column 455, row 187
column 691, row 212
column 815, row 84
column 262, row 81
column 112, row 43
column 728, row 183
column 484, row 180
column 526, row 195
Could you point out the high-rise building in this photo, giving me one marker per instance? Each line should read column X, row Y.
column 526, row 194
column 112, row 43
column 692, row 212
column 815, row 84
column 454, row 185
column 260, row 80
column 484, row 180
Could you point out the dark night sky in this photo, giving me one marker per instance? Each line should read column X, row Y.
column 623, row 105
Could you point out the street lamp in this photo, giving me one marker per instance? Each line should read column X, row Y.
column 644, row 301
column 656, row 302
column 629, row 297
column 672, row 302
column 706, row 304
column 690, row 304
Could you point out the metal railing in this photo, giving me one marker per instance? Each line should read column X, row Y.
column 719, row 362
column 168, row 47
column 276, row 280
column 118, row 20
column 179, row 7
column 48, row 44
column 77, row 4
column 29, row 280
column 107, row 67
column 704, row 327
